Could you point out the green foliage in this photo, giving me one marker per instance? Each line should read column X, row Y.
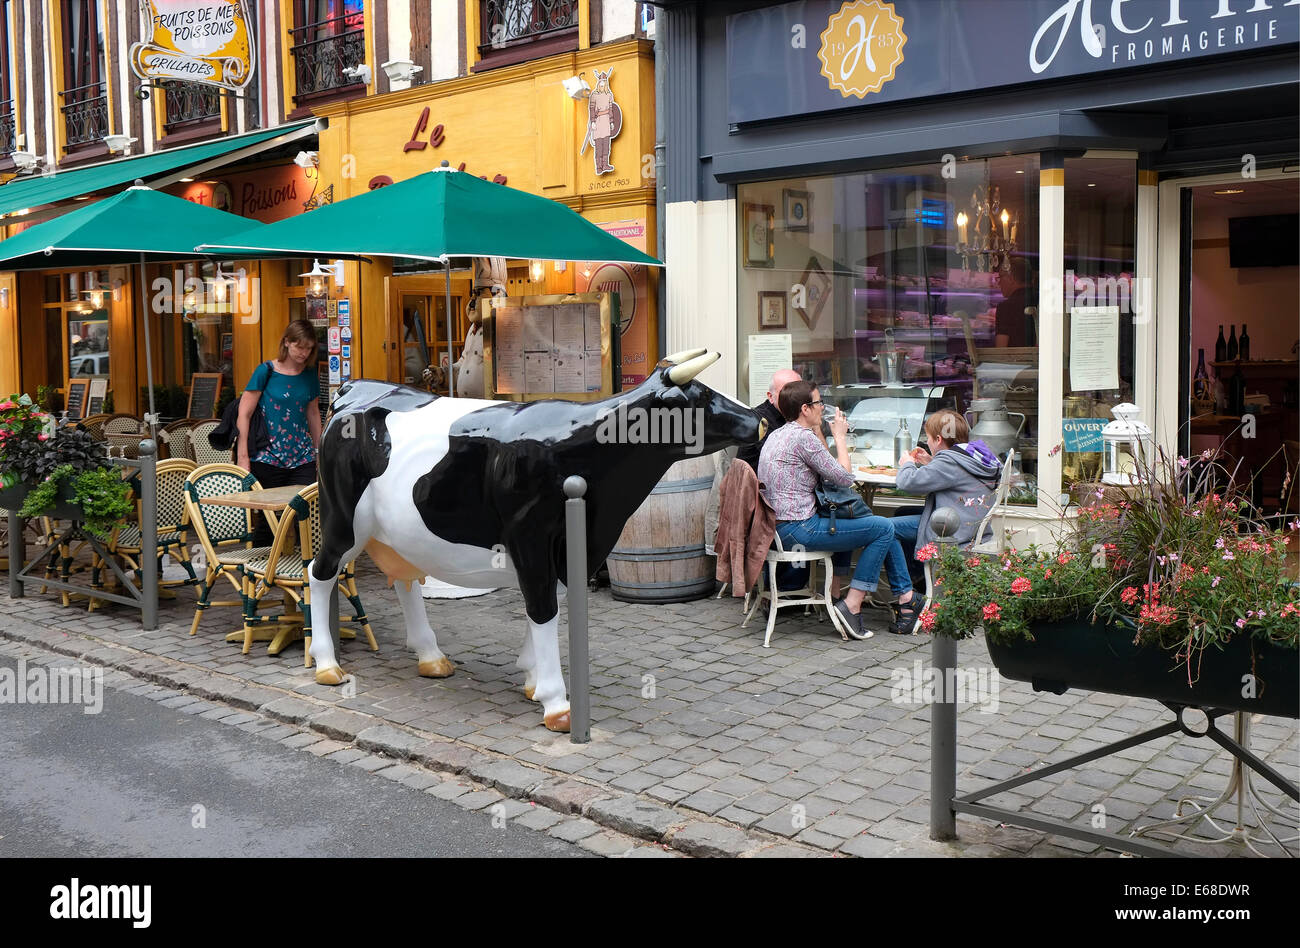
column 102, row 495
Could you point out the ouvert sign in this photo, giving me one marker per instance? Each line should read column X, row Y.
column 819, row 55
column 204, row 41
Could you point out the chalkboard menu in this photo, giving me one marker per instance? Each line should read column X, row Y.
column 78, row 389
column 205, row 389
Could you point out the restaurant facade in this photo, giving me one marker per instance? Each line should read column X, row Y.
column 1040, row 207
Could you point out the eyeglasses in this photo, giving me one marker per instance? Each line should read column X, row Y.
column 816, row 404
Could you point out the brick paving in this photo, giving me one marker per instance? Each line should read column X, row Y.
column 702, row 740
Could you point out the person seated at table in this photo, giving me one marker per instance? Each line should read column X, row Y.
column 793, row 462
column 956, row 472
column 768, row 411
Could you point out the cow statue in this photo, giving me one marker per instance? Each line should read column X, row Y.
column 471, row 492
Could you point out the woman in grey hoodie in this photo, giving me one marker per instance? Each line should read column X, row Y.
column 957, row 473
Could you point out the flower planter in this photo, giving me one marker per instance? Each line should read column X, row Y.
column 1074, row 654
column 11, row 498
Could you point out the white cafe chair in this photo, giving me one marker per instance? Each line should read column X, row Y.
column 807, row 597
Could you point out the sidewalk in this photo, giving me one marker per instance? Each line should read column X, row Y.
column 702, row 739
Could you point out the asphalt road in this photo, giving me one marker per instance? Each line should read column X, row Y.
column 125, row 782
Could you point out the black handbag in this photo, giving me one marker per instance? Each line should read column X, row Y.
column 225, row 436
column 834, row 502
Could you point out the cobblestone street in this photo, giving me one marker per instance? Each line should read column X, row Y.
column 701, row 738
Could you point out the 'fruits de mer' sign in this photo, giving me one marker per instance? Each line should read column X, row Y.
column 207, row 41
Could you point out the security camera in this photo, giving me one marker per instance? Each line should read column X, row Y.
column 361, row 73
column 24, row 161
column 118, row 143
column 401, row 70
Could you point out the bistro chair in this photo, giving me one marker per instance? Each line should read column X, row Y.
column 122, row 424
column 201, row 449
column 94, row 425
column 224, row 533
column 285, row 566
column 175, row 438
column 125, row 543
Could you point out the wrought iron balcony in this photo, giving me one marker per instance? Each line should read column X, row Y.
column 190, row 103
column 85, row 115
column 509, row 22
column 7, row 143
column 321, row 51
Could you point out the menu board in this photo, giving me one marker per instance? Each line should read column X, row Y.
column 205, row 389
column 98, row 392
column 560, row 345
column 78, row 390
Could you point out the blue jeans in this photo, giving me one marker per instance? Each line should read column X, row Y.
column 873, row 535
column 905, row 528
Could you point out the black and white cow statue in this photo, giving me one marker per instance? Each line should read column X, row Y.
column 471, row 492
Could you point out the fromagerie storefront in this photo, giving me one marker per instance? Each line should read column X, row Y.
column 1029, row 210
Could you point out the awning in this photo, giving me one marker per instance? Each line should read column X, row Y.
column 155, row 168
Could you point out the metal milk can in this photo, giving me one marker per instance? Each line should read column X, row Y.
column 994, row 427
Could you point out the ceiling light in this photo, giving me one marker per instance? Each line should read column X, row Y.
column 319, row 271
column 1091, row 185
column 576, row 87
column 1231, row 191
column 187, row 180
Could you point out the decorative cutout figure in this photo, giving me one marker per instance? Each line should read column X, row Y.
column 604, row 121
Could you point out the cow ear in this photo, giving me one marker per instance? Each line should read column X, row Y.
column 673, row 396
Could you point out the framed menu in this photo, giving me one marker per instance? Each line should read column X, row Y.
column 98, row 392
column 205, row 389
column 556, row 346
column 78, row 397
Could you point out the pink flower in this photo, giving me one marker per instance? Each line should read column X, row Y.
column 973, row 561
column 1056, row 449
column 1229, row 556
column 927, row 552
column 1020, row 585
column 992, row 612
column 1129, row 596
column 1240, row 623
column 1215, row 582
column 1293, row 525
column 1047, row 574
column 42, row 437
column 1182, row 462
column 1218, row 544
column 1205, row 455
column 927, row 620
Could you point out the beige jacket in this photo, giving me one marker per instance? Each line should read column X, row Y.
column 746, row 525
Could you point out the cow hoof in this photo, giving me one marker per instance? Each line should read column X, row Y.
column 529, row 691
column 330, row 676
column 438, row 668
column 557, row 722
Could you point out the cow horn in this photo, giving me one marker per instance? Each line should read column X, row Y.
column 685, row 354
column 681, row 374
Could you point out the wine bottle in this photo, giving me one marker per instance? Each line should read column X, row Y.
column 1243, row 347
column 1237, row 393
column 1220, row 348
column 1201, row 383
column 1232, row 344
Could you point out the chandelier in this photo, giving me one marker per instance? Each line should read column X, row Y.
column 994, row 231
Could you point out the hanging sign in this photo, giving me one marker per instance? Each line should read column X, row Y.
column 204, row 41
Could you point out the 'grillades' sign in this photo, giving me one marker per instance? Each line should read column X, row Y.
column 207, row 41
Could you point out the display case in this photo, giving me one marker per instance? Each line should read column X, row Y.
column 874, row 413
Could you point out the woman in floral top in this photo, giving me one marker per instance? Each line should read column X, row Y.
column 792, row 463
column 290, row 391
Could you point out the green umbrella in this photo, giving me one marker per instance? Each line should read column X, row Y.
column 135, row 226
column 436, row 216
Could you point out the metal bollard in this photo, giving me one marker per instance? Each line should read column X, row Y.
column 149, row 533
column 17, row 553
column 575, row 523
column 943, row 713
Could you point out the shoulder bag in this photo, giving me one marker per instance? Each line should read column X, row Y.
column 834, row 502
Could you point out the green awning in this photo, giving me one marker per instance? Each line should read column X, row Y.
column 36, row 190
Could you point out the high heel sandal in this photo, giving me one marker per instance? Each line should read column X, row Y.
column 906, row 615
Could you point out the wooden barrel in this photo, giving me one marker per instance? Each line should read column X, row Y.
column 660, row 554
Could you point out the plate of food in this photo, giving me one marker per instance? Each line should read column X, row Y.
column 878, row 474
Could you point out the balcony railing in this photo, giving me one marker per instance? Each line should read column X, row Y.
column 189, row 103
column 321, row 51
column 85, row 115
column 6, row 127
column 509, row 22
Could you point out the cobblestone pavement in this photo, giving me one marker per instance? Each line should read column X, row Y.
column 702, row 739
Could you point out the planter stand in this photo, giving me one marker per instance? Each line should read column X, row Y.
column 1239, row 786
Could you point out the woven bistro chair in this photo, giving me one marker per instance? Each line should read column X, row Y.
column 223, row 533
column 125, row 543
column 201, row 449
column 175, row 438
column 94, row 424
column 285, row 567
column 122, row 424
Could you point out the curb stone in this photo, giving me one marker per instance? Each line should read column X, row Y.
column 386, row 739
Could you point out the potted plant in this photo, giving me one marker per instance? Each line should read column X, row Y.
column 98, row 498
column 1164, row 589
column 24, row 429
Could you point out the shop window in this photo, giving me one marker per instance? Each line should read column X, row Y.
column 899, row 292
column 1100, row 298
column 328, row 37
column 513, row 31
column 8, row 85
column 191, row 106
column 76, row 312
column 211, row 295
column 84, row 97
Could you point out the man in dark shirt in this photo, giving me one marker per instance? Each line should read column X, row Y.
column 768, row 410
column 1014, row 327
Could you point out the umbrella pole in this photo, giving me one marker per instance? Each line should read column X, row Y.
column 148, row 348
column 451, row 363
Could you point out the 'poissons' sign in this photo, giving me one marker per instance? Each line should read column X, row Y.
column 206, row 41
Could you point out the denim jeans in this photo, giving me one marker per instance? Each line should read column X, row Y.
column 873, row 535
column 906, row 527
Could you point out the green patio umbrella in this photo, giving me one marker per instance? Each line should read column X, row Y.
column 436, row 216
column 135, row 226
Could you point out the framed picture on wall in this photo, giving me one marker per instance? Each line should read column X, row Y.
column 759, row 221
column 816, row 292
column 771, row 309
column 796, row 208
